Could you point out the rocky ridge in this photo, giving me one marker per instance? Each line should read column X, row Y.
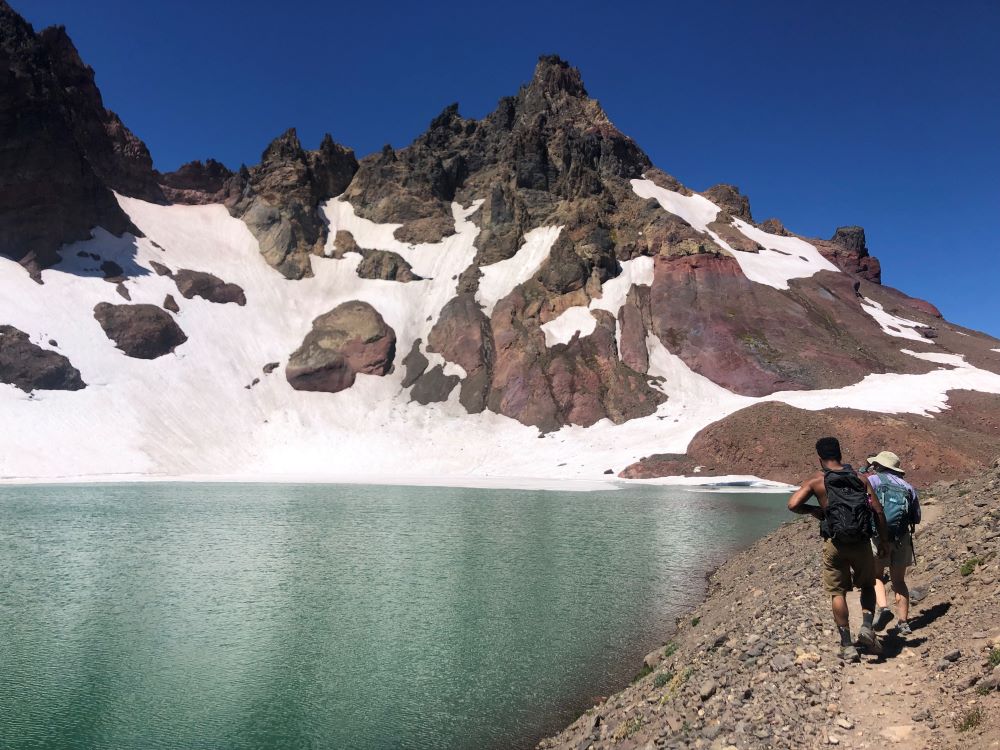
column 755, row 665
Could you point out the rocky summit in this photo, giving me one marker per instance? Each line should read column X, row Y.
column 525, row 295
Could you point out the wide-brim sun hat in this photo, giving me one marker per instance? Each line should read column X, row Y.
column 888, row 460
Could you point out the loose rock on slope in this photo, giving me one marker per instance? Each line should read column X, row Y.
column 141, row 331
column 30, row 367
column 350, row 339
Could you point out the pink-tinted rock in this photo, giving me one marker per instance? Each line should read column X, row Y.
column 350, row 339
column 462, row 335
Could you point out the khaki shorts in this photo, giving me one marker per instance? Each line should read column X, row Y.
column 846, row 566
column 900, row 554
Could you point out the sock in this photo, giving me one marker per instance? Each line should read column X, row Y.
column 845, row 636
column 866, row 618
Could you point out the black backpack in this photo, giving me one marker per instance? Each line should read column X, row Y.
column 848, row 516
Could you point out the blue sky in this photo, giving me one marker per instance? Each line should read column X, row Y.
column 881, row 114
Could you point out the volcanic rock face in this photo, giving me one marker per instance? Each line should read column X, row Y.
column 279, row 199
column 118, row 157
column 731, row 200
column 576, row 383
column 196, row 182
column 30, row 367
column 848, row 251
column 462, row 335
column 350, row 339
column 141, row 331
column 50, row 191
column 546, row 156
column 754, row 339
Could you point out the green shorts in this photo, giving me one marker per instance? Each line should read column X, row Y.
column 900, row 554
column 846, row 566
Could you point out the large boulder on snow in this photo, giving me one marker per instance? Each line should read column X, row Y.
column 141, row 331
column 205, row 285
column 30, row 367
column 350, row 339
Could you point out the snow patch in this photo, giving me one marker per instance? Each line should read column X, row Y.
column 796, row 257
column 892, row 324
column 577, row 319
column 499, row 279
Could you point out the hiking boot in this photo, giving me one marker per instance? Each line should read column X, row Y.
column 849, row 654
column 884, row 617
column 903, row 628
column 868, row 641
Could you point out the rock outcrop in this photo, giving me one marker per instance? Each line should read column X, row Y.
column 141, row 331
column 279, row 199
column 548, row 155
column 50, row 191
column 196, row 182
column 350, row 339
column 848, row 251
column 29, row 367
column 731, row 200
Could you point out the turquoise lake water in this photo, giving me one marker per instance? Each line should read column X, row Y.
column 228, row 616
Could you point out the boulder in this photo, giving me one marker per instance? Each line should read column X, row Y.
column 30, row 367
column 141, row 331
column 350, row 339
column 200, row 284
column 385, row 265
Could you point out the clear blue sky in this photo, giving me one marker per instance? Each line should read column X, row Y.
column 883, row 114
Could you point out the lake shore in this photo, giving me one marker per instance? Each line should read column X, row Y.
column 729, row 483
column 755, row 664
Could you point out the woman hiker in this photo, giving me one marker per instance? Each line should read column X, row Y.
column 901, row 505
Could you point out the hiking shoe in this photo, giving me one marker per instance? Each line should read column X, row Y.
column 903, row 628
column 884, row 617
column 867, row 640
column 849, row 654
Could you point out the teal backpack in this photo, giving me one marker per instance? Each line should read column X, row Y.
column 895, row 499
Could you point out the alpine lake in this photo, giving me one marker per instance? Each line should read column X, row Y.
column 258, row 616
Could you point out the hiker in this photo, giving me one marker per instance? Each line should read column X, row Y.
column 847, row 503
column 901, row 505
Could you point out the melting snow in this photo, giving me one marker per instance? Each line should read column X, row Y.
column 499, row 279
column 891, row 324
column 783, row 258
column 577, row 319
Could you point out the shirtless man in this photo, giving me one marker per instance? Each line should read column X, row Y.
column 847, row 553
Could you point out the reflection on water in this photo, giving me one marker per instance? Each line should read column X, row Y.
column 330, row 616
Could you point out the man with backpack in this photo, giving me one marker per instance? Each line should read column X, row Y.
column 901, row 506
column 847, row 510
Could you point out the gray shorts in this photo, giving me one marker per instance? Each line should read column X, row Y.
column 900, row 554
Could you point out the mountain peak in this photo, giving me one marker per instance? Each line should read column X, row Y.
column 554, row 75
column 285, row 146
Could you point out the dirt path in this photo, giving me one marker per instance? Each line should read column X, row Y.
column 756, row 665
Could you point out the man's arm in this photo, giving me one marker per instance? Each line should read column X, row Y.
column 883, row 531
column 797, row 502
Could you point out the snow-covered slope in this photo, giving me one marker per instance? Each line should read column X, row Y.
column 190, row 413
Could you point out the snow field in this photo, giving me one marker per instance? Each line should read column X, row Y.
column 190, row 415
